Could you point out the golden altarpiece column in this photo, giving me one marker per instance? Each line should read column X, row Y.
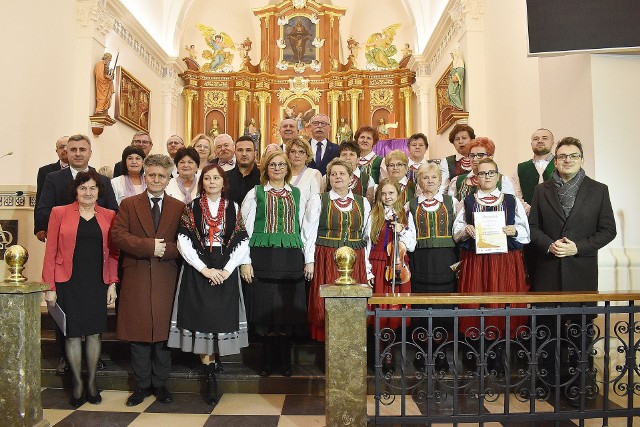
column 299, row 74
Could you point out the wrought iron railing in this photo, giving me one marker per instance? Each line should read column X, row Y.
column 576, row 356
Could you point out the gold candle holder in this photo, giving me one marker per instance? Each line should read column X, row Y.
column 16, row 257
column 345, row 257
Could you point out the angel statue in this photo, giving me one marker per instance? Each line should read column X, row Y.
column 379, row 49
column 191, row 50
column 220, row 58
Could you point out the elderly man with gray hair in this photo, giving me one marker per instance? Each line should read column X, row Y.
column 225, row 151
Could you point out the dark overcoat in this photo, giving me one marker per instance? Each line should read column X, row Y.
column 148, row 282
column 591, row 225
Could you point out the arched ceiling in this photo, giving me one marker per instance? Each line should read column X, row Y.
column 163, row 19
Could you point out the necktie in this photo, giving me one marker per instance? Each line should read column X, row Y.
column 318, row 154
column 155, row 212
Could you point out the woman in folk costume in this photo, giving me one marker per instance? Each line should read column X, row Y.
column 336, row 218
column 397, row 164
column 464, row 185
column 494, row 272
column 274, row 263
column 433, row 215
column 369, row 162
column 208, row 312
column 361, row 183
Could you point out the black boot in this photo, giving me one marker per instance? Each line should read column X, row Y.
column 284, row 349
column 212, row 397
column 268, row 349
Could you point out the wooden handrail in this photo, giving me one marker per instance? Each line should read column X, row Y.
column 504, row 298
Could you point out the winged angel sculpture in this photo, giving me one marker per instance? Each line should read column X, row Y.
column 380, row 49
column 219, row 56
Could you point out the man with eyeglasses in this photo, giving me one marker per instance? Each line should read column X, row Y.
column 571, row 219
column 537, row 170
column 140, row 139
column 174, row 143
column 323, row 150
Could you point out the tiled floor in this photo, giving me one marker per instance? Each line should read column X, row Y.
column 233, row 410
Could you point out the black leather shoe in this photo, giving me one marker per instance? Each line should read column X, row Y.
column 77, row 402
column 217, row 367
column 94, row 400
column 101, row 365
column 138, row 396
column 163, row 395
column 63, row 366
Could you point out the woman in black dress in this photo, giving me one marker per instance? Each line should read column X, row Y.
column 208, row 313
column 80, row 267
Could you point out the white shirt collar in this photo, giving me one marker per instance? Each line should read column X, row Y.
column 438, row 197
column 314, row 143
column 268, row 187
column 496, row 192
column 151, row 196
column 369, row 156
column 335, row 196
column 403, row 181
column 356, row 172
column 546, row 159
column 74, row 171
column 418, row 164
column 459, row 156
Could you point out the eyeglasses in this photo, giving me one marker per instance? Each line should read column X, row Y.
column 397, row 165
column 174, row 143
column 487, row 174
column 320, row 124
column 277, row 165
column 573, row 157
column 477, row 155
column 201, row 147
column 141, row 142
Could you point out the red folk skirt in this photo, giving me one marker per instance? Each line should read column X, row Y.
column 491, row 273
column 379, row 262
column 326, row 271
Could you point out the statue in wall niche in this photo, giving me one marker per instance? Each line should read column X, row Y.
column 104, row 85
column 215, row 131
column 219, row 56
column 345, row 133
column 455, row 88
column 380, row 49
column 254, row 132
column 383, row 128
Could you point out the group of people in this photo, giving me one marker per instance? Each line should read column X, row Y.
column 201, row 250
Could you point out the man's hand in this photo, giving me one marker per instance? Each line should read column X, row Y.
column 160, row 247
column 111, row 294
column 42, row 236
column 50, row 297
column 563, row 248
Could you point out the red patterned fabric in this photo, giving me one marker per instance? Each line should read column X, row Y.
column 326, row 272
column 489, row 273
column 379, row 261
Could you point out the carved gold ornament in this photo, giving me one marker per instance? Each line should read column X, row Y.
column 215, row 99
column 381, row 98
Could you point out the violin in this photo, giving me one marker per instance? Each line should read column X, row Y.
column 397, row 271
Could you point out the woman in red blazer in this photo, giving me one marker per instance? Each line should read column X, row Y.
column 80, row 267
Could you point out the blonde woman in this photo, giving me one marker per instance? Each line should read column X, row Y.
column 204, row 146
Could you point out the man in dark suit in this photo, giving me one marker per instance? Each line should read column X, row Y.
column 323, row 150
column 145, row 230
column 570, row 219
column 63, row 162
column 140, row 139
column 55, row 191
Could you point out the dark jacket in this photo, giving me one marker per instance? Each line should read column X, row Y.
column 591, row 225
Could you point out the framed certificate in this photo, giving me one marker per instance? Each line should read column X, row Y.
column 490, row 239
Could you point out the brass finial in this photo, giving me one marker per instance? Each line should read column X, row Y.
column 345, row 257
column 16, row 257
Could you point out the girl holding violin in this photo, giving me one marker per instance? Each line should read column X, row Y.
column 392, row 234
column 337, row 218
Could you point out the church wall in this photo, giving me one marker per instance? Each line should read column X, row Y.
column 37, row 84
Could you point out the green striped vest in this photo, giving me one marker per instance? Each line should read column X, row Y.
column 277, row 223
column 434, row 229
column 337, row 228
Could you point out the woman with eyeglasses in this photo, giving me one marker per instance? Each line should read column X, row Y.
column 204, row 146
column 274, row 261
column 463, row 185
column 308, row 180
column 184, row 187
column 338, row 218
column 491, row 272
column 397, row 164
